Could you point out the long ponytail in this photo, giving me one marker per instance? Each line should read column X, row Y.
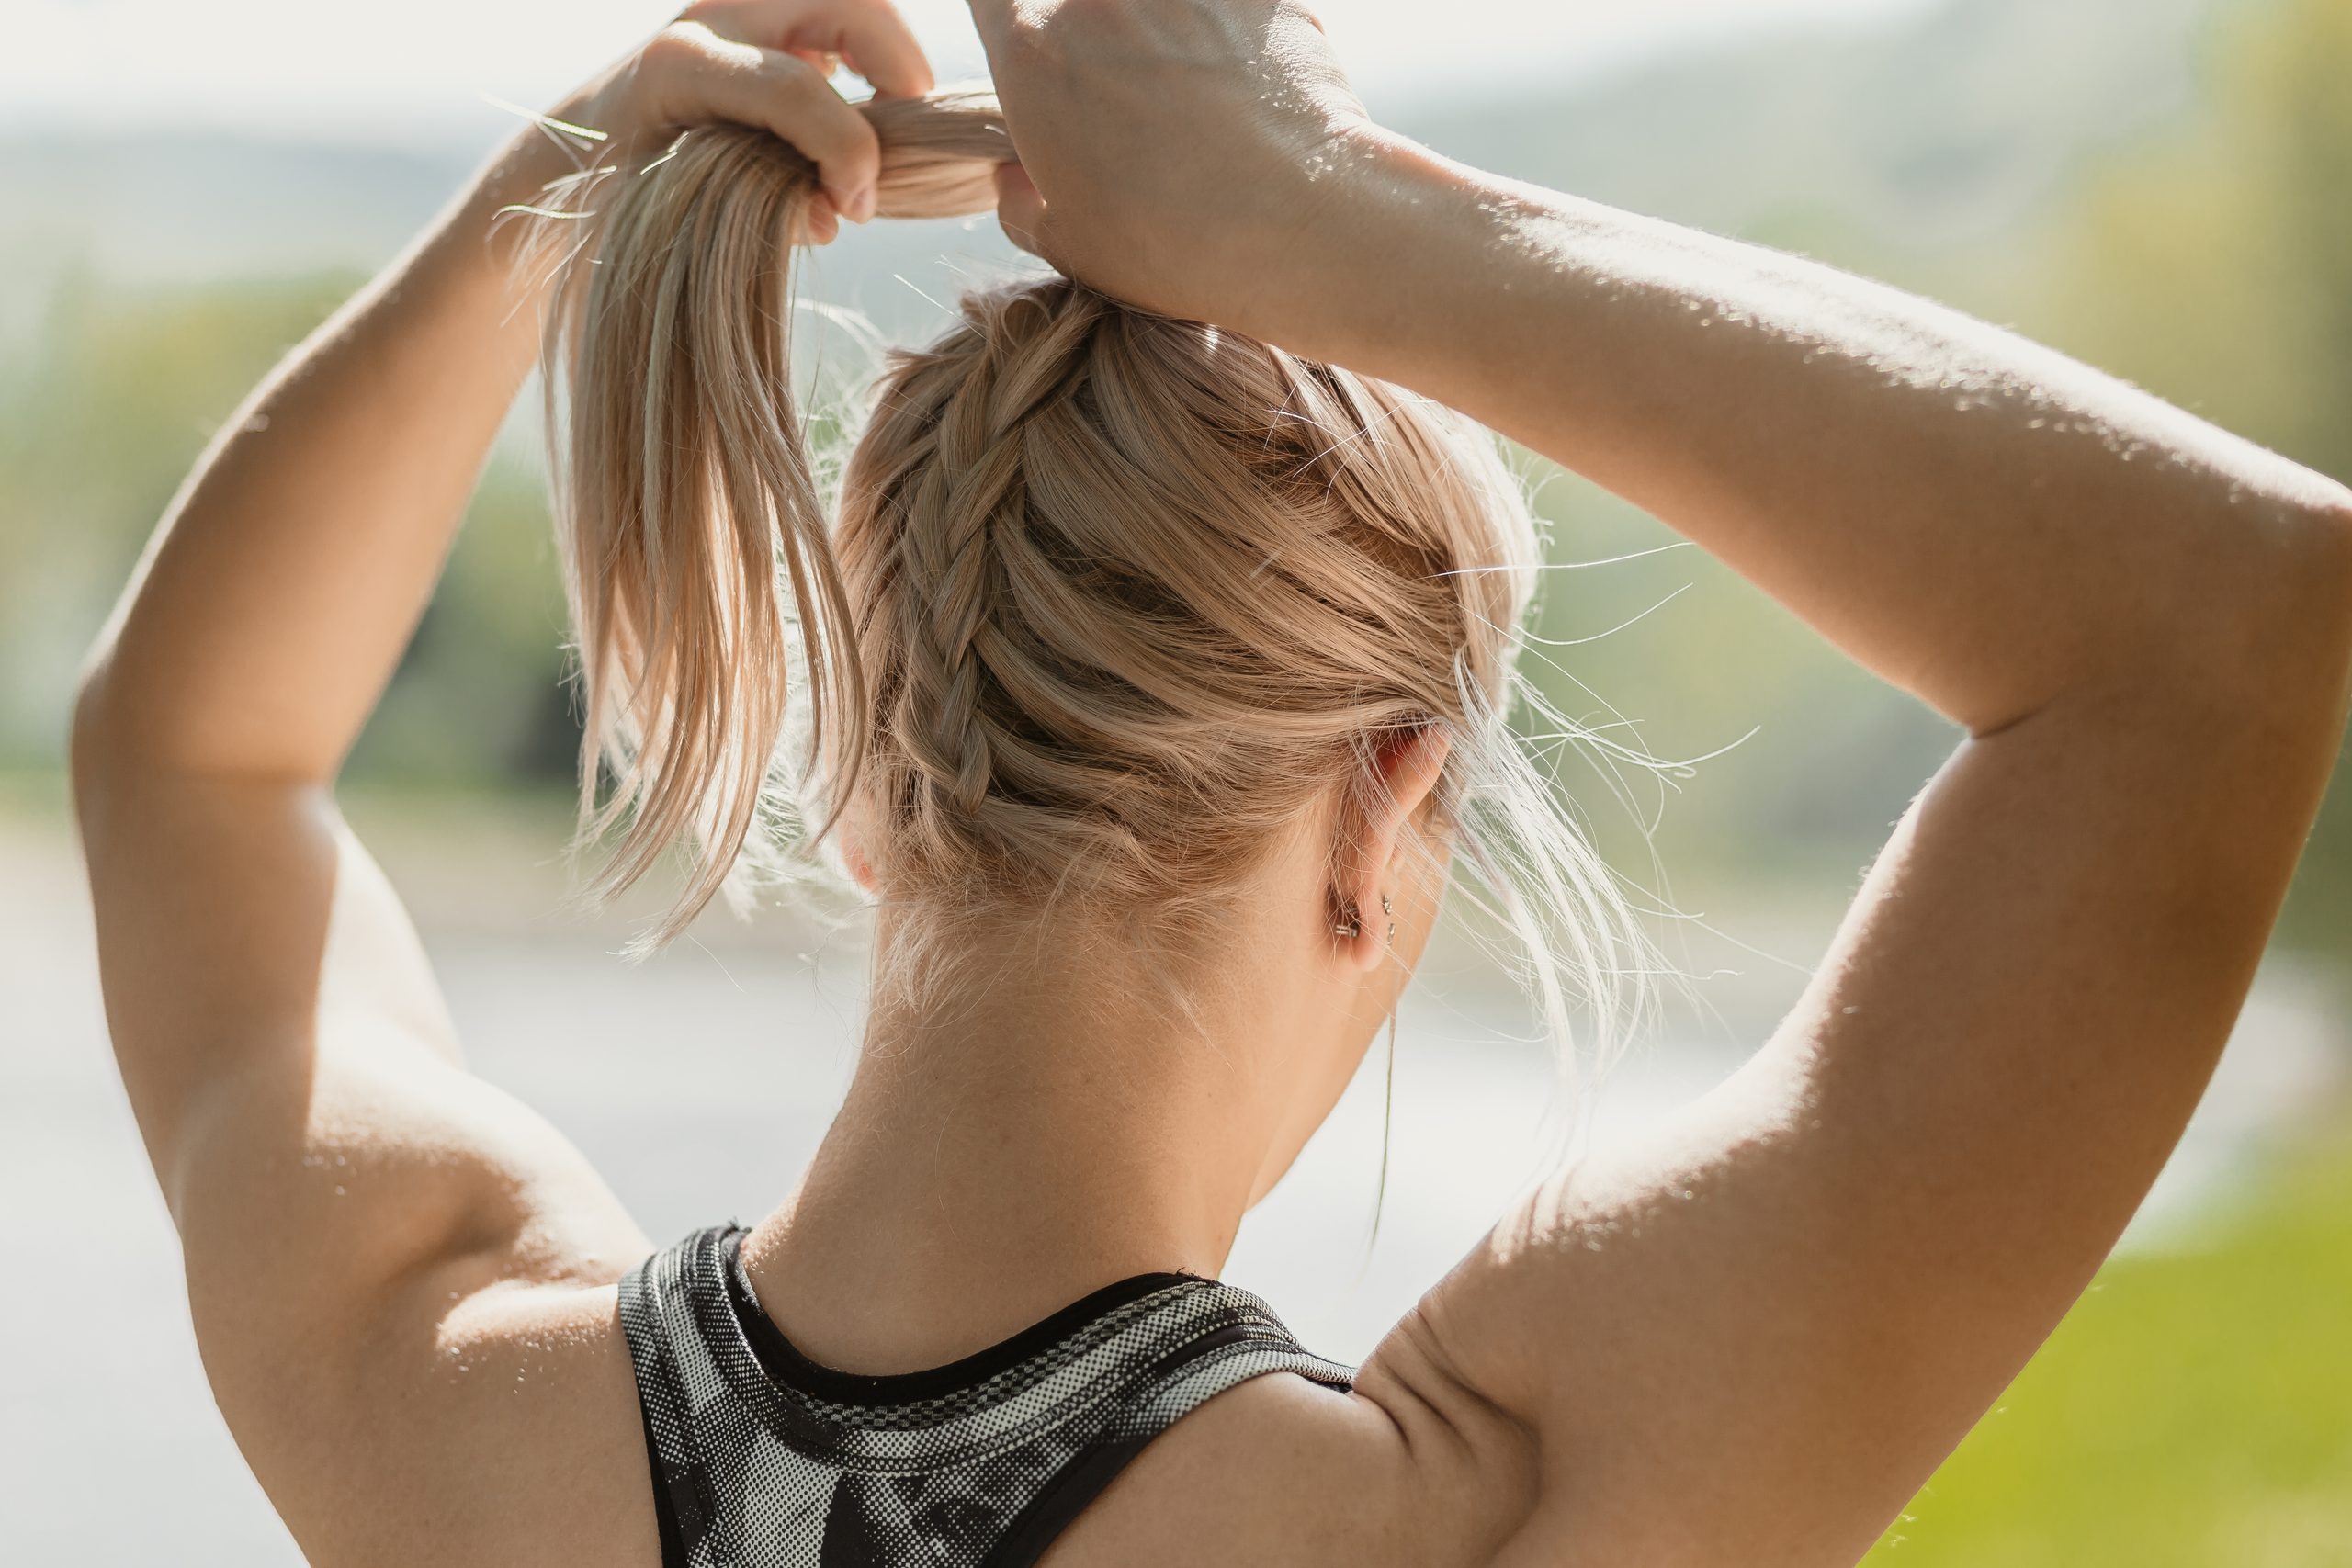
column 696, row 559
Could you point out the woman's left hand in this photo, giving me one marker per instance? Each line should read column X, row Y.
column 765, row 63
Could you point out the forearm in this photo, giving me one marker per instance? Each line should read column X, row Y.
column 1979, row 520
column 278, row 594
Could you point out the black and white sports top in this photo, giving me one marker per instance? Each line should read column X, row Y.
column 762, row 1459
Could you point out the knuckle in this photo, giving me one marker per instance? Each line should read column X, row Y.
column 1045, row 42
column 677, row 45
column 822, row 123
column 795, row 76
column 852, row 160
column 801, row 89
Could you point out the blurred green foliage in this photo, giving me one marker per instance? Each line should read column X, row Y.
column 2194, row 1410
column 101, row 420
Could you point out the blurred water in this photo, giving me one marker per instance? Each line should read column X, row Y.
column 699, row 1084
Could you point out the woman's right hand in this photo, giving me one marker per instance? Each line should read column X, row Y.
column 1174, row 153
column 763, row 63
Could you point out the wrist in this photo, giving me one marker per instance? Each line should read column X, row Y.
column 1381, row 214
column 520, row 171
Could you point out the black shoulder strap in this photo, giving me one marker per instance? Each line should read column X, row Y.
column 657, row 1312
column 1239, row 1340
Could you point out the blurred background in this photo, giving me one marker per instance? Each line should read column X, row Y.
column 2163, row 188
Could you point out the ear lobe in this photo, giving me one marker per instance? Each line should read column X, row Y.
column 853, row 844
column 1020, row 211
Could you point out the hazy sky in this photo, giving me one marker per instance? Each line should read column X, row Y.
column 417, row 69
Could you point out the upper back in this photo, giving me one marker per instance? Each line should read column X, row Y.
column 1141, row 1425
column 766, row 1458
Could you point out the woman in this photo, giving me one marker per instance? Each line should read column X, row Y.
column 985, row 1328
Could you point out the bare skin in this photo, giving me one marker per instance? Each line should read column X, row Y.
column 1749, row 1340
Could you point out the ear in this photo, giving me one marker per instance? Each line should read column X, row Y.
column 1390, row 801
column 851, row 830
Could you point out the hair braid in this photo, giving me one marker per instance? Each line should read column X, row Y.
column 969, row 504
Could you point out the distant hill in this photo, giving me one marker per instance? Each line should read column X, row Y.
column 155, row 207
column 156, row 211
column 1947, row 123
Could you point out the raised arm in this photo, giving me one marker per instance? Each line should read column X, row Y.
column 347, row 1196
column 1975, row 518
column 1753, row 1339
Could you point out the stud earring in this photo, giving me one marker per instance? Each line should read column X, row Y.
column 1386, row 908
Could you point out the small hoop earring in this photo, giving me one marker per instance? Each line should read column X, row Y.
column 1350, row 928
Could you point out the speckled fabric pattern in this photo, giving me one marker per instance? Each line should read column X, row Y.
column 762, row 1459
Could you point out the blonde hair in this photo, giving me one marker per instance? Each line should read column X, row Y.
column 1111, row 599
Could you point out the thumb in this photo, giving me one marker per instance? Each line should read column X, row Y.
column 1020, row 210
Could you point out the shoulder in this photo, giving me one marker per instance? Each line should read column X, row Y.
column 503, row 1429
column 1409, row 1468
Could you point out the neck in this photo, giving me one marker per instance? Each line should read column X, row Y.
column 1045, row 1132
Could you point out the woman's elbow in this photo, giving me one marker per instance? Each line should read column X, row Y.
column 2294, row 628
column 94, row 740
column 2325, row 531
column 2332, row 522
column 111, row 737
